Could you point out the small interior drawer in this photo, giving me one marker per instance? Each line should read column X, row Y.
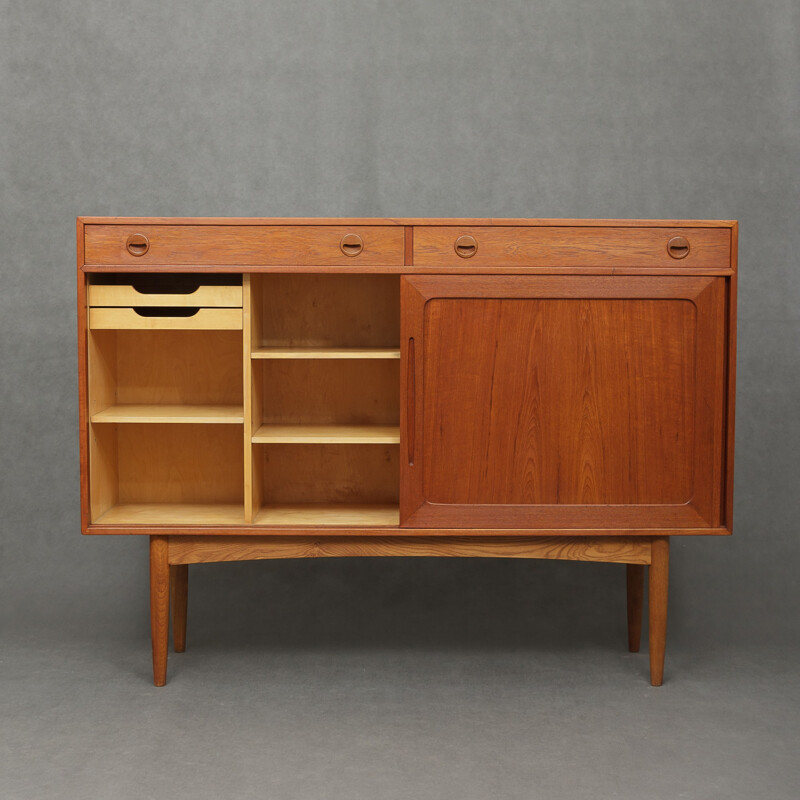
column 201, row 296
column 165, row 318
column 196, row 290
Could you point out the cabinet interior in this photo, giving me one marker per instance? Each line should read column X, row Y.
column 293, row 420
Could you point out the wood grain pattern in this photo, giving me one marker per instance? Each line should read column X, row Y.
column 571, row 247
column 174, row 514
column 83, row 372
column 329, row 514
column 327, row 434
column 405, row 221
column 244, row 245
column 205, row 319
column 192, row 368
column 336, row 311
column 361, row 531
column 360, row 474
column 179, row 603
column 195, row 550
column 635, row 594
column 658, row 584
column 159, row 606
column 203, row 296
column 317, row 353
column 329, row 392
column 565, row 402
column 174, row 414
column 180, row 464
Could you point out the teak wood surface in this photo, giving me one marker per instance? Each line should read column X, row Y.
column 518, row 388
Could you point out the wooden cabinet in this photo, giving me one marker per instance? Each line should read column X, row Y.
column 508, row 388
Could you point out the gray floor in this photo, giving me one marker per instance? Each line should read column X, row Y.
column 241, row 717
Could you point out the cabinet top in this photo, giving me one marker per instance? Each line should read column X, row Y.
column 457, row 221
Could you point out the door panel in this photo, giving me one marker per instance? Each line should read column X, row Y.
column 567, row 402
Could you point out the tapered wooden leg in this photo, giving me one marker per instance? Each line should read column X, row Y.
column 159, row 607
column 659, row 580
column 635, row 584
column 179, row 595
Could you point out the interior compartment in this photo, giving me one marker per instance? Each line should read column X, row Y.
column 327, row 484
column 349, row 392
column 326, row 311
column 195, row 372
column 153, row 473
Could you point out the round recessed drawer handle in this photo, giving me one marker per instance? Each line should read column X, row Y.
column 138, row 244
column 351, row 244
column 678, row 247
column 466, row 246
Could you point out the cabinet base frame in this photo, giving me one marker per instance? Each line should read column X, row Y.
column 171, row 555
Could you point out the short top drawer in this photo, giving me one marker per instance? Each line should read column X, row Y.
column 243, row 245
column 517, row 246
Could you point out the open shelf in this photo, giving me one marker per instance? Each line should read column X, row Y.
column 327, row 434
column 196, row 414
column 326, row 484
column 327, row 352
column 172, row 513
column 327, row 392
column 329, row 514
column 134, row 372
column 156, row 472
column 326, row 312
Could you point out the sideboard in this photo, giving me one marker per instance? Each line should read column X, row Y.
column 517, row 388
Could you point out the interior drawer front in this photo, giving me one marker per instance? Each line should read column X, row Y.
column 244, row 245
column 131, row 319
column 500, row 246
column 202, row 296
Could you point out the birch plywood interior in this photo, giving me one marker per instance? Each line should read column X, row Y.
column 287, row 388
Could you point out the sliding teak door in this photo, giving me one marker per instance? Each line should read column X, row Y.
column 575, row 402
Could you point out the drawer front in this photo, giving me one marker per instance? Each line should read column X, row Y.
column 244, row 245
column 499, row 246
column 203, row 319
column 202, row 296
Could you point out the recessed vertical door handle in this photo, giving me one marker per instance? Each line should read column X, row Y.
column 411, row 405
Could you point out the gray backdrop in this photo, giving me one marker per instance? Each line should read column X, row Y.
column 567, row 108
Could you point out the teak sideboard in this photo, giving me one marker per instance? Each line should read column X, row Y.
column 286, row 388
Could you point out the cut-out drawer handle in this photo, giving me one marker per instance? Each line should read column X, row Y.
column 351, row 244
column 165, row 311
column 466, row 246
column 138, row 244
column 678, row 247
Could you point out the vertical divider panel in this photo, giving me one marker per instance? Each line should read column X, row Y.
column 247, row 396
column 253, row 309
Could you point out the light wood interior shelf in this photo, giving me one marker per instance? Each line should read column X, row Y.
column 329, row 514
column 327, row 352
column 130, row 412
column 173, row 513
column 327, row 434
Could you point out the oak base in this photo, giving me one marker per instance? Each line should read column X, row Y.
column 170, row 557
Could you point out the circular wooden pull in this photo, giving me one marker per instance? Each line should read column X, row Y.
column 678, row 247
column 466, row 246
column 138, row 244
column 351, row 244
